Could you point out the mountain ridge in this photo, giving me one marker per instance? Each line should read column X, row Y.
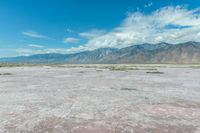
column 183, row 53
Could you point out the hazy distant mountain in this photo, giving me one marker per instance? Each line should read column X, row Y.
column 188, row 52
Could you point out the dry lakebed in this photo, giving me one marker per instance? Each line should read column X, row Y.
column 100, row 99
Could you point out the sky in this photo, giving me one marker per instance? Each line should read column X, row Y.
column 30, row 27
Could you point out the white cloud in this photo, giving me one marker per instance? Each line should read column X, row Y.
column 34, row 35
column 35, row 46
column 71, row 40
column 168, row 24
column 148, row 5
column 92, row 33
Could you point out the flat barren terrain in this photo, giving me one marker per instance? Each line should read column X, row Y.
column 100, row 99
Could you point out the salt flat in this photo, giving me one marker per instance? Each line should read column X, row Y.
column 77, row 99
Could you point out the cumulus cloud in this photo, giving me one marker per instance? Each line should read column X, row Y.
column 168, row 24
column 34, row 35
column 71, row 40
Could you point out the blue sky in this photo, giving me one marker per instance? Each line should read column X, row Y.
column 66, row 26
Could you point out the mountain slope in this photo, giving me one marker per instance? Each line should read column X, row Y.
column 188, row 52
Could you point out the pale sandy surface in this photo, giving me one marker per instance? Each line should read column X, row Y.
column 92, row 100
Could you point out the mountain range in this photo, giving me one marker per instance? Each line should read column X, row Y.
column 183, row 53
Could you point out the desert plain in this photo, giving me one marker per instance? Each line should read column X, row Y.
column 100, row 99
